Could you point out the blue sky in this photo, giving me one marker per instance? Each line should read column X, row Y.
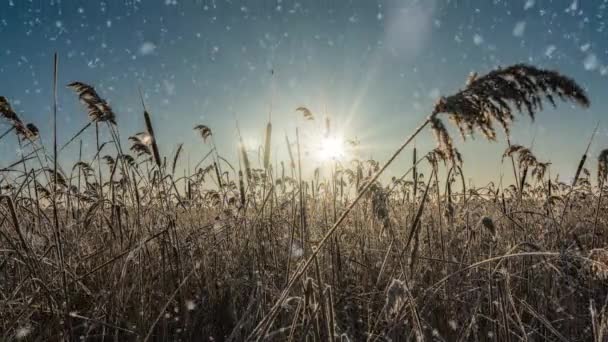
column 374, row 67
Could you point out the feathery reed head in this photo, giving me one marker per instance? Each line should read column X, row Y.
column 99, row 110
column 493, row 97
column 86, row 169
column 511, row 150
column 140, row 144
column 306, row 112
column 445, row 141
column 109, row 160
column 527, row 159
column 27, row 131
column 204, row 131
column 539, row 170
column 128, row 159
column 57, row 177
column 32, row 130
column 438, row 154
column 525, row 156
column 7, row 112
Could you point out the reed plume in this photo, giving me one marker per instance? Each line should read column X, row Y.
column 526, row 160
column 128, row 159
column 494, row 96
column 141, row 144
column 7, row 112
column 109, row 160
column 27, row 131
column 539, row 170
column 30, row 131
column 511, row 150
column 485, row 99
column 98, row 109
column 306, row 112
column 204, row 131
column 83, row 167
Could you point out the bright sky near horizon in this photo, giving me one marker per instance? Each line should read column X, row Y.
column 374, row 67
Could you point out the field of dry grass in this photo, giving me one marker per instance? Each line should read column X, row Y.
column 123, row 246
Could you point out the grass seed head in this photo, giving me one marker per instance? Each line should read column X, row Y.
column 98, row 109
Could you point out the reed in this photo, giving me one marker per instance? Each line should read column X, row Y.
column 125, row 246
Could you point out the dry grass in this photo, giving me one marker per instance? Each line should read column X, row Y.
column 258, row 254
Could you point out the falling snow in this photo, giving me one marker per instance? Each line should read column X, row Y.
column 519, row 29
column 147, row 48
column 195, row 57
column 591, row 62
column 375, row 67
column 477, row 39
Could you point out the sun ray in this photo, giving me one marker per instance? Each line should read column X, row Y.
column 331, row 148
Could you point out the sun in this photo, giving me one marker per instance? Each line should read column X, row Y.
column 331, row 148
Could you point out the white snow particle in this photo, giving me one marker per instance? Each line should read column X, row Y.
column 169, row 87
column 591, row 62
column 519, row 29
column 147, row 48
column 190, row 305
column 477, row 39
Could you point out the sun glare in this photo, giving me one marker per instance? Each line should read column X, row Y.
column 331, row 148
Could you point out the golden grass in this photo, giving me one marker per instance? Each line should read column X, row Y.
column 146, row 254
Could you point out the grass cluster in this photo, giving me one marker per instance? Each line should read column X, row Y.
column 121, row 246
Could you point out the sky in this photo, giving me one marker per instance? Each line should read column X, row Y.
column 375, row 68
